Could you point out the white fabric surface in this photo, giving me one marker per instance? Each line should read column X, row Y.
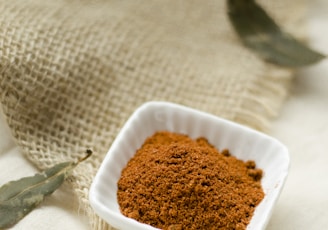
column 302, row 126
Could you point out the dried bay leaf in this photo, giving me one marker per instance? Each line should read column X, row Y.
column 262, row 35
column 18, row 198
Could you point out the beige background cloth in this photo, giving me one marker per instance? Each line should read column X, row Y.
column 72, row 72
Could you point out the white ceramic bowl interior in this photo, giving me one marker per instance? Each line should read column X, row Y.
column 244, row 143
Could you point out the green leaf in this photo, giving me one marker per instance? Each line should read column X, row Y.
column 262, row 35
column 18, row 198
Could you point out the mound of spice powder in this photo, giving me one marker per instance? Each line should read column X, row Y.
column 174, row 182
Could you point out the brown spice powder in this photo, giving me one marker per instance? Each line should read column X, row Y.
column 174, row 182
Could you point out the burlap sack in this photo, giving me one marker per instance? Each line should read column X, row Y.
column 72, row 72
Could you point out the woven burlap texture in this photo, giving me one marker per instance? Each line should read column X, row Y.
column 72, row 72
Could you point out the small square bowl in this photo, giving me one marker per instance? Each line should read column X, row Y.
column 244, row 143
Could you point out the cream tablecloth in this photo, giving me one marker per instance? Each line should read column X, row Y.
column 302, row 126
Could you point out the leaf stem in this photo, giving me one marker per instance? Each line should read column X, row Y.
column 88, row 154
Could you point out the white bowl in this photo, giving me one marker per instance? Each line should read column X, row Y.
column 244, row 143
